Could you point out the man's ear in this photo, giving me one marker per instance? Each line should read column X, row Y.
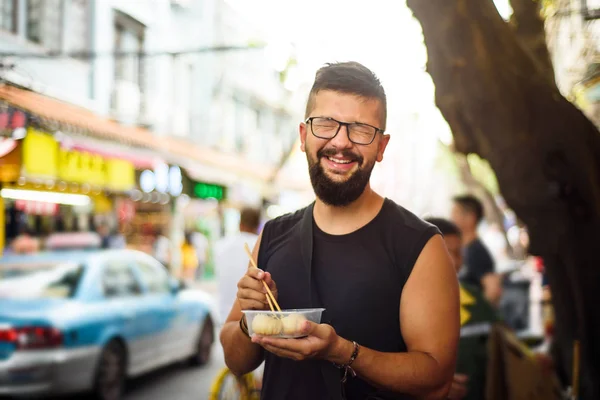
column 303, row 130
column 381, row 146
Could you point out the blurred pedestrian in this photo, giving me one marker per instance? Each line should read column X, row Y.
column 477, row 317
column 479, row 269
column 161, row 248
column 25, row 242
column 231, row 261
column 189, row 258
column 202, row 247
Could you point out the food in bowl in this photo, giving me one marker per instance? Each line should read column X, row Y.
column 266, row 325
column 284, row 324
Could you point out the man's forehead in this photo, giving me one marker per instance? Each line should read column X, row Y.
column 348, row 106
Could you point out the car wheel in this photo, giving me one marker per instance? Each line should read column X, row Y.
column 204, row 344
column 110, row 372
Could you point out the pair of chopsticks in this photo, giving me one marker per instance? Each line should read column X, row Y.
column 270, row 298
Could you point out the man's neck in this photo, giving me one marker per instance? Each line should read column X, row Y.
column 469, row 237
column 347, row 219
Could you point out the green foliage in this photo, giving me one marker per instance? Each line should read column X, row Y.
column 483, row 172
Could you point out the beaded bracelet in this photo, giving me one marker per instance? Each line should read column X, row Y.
column 347, row 367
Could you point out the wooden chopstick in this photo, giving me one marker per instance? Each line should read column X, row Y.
column 269, row 293
column 270, row 303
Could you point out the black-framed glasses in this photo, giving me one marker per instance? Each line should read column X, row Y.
column 328, row 128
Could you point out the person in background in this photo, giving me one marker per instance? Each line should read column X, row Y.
column 189, row 259
column 104, row 232
column 162, row 248
column 201, row 245
column 479, row 269
column 231, row 260
column 25, row 242
column 477, row 317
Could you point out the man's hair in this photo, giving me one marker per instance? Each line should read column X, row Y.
column 349, row 78
column 250, row 218
column 445, row 226
column 470, row 204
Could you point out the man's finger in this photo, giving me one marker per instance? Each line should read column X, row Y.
column 251, row 294
column 461, row 378
column 269, row 279
column 293, row 345
column 282, row 352
column 250, row 283
column 255, row 273
column 246, row 304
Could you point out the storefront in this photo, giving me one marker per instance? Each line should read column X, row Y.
column 48, row 187
column 152, row 205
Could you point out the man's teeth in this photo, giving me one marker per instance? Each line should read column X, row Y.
column 338, row 161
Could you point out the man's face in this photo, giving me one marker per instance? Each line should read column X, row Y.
column 454, row 245
column 339, row 169
column 461, row 217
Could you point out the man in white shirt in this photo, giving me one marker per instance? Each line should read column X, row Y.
column 231, row 260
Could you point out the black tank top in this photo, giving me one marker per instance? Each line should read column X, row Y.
column 358, row 278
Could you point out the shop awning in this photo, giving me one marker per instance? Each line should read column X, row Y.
column 80, row 120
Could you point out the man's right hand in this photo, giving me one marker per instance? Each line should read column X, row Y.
column 252, row 294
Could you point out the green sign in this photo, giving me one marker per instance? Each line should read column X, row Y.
column 209, row 191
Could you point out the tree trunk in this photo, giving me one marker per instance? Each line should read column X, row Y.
column 545, row 153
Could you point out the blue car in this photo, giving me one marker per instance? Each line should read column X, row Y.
column 87, row 321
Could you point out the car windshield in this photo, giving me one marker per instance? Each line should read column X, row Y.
column 40, row 279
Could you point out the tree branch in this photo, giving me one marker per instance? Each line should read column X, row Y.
column 529, row 29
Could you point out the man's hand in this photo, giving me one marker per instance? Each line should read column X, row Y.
column 458, row 390
column 252, row 294
column 321, row 342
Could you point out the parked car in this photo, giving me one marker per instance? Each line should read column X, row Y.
column 88, row 320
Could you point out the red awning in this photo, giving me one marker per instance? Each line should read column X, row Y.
column 104, row 128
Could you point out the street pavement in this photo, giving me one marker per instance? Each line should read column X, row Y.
column 180, row 382
column 177, row 382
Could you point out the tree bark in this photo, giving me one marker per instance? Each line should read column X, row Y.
column 529, row 29
column 544, row 151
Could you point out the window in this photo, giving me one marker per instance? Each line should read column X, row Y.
column 77, row 38
column 38, row 280
column 118, row 280
column 154, row 276
column 45, row 22
column 129, row 38
column 8, row 14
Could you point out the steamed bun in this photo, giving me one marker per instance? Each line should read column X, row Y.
column 266, row 325
column 292, row 324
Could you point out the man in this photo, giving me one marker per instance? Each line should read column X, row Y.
column 231, row 259
column 390, row 326
column 477, row 317
column 479, row 268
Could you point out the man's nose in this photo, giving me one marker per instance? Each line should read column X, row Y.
column 342, row 140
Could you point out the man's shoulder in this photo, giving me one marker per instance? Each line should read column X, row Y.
column 401, row 217
column 286, row 222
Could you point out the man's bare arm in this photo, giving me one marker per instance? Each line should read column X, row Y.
column 429, row 319
column 241, row 355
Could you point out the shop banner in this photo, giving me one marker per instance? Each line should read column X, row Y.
column 10, row 160
column 40, row 154
column 43, row 157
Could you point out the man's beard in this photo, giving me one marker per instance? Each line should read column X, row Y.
column 333, row 193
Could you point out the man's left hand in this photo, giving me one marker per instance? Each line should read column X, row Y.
column 321, row 342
